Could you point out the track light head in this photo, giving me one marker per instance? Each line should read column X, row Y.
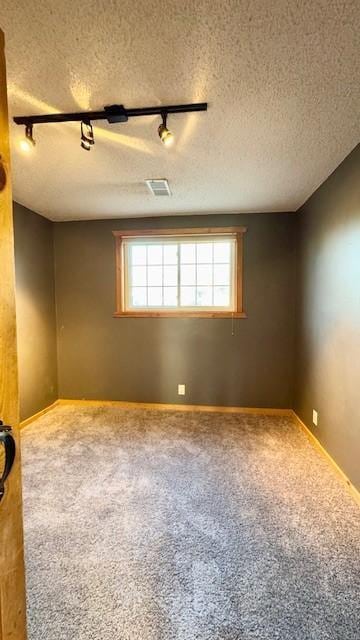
column 166, row 137
column 28, row 143
column 87, row 135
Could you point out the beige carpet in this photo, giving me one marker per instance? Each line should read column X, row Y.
column 151, row 525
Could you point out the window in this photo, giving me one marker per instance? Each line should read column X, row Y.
column 184, row 272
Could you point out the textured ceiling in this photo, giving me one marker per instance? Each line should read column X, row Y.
column 282, row 79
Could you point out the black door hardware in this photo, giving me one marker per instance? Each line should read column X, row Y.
column 10, row 449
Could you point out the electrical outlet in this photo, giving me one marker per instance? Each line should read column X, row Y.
column 181, row 389
column 315, row 417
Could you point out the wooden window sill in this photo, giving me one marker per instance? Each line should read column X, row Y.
column 176, row 314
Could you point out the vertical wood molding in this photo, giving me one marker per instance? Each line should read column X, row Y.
column 119, row 274
column 239, row 272
column 12, row 583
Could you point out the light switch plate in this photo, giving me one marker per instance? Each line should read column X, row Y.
column 315, row 417
column 181, row 389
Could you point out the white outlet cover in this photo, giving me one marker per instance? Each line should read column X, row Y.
column 181, row 389
column 315, row 417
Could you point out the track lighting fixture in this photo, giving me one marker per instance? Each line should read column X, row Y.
column 115, row 113
column 28, row 142
column 165, row 135
column 87, row 135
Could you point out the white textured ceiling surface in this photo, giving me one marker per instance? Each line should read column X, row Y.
column 282, row 78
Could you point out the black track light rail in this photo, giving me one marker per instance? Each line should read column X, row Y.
column 113, row 114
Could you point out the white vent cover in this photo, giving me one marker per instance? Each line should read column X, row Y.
column 159, row 187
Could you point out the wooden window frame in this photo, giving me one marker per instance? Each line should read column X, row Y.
column 235, row 232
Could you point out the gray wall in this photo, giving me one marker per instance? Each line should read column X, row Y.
column 35, row 308
column 101, row 357
column 328, row 316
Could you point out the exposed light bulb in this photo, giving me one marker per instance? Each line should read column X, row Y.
column 28, row 143
column 166, row 137
column 25, row 145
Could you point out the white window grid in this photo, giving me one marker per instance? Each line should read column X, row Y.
column 179, row 286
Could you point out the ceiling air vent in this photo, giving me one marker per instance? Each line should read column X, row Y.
column 159, row 187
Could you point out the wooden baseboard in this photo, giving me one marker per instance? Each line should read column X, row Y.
column 37, row 415
column 315, row 442
column 177, row 407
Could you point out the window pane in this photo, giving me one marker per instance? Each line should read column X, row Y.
column 187, row 274
column 138, row 254
column 187, row 253
column 221, row 296
column 138, row 297
column 154, row 276
column 180, row 273
column 138, row 276
column 170, row 253
column 170, row 276
column 155, row 296
column 204, row 296
column 222, row 252
column 187, row 296
column 222, row 274
column 204, row 252
column 170, row 296
column 204, row 274
column 155, row 254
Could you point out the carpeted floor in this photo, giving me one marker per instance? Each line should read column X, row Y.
column 152, row 525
